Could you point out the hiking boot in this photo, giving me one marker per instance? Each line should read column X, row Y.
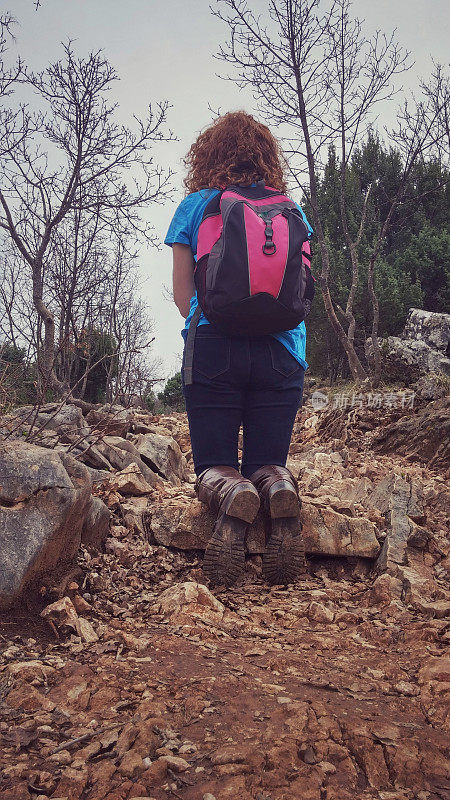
column 284, row 556
column 235, row 499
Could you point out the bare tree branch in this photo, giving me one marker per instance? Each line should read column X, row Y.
column 74, row 160
column 319, row 80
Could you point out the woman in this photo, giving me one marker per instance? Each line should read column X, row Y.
column 256, row 381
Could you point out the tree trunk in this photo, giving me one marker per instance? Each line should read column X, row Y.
column 46, row 353
column 376, row 372
column 357, row 369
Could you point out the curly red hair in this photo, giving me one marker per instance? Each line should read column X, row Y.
column 235, row 149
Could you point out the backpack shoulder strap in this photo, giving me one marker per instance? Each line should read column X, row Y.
column 213, row 205
column 189, row 347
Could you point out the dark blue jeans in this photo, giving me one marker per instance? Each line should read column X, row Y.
column 253, row 381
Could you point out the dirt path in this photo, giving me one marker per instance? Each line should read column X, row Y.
column 333, row 689
column 309, row 693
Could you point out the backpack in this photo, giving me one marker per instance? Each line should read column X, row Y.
column 252, row 273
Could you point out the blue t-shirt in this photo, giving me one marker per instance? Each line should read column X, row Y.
column 184, row 230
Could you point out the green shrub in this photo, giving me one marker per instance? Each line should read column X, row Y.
column 172, row 394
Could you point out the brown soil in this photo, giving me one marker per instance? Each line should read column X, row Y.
column 267, row 702
column 328, row 690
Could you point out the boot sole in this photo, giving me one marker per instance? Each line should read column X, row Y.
column 224, row 559
column 244, row 505
column 284, row 558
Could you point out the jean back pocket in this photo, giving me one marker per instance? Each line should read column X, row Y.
column 212, row 354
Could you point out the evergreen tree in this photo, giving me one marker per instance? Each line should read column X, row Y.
column 172, row 394
column 413, row 268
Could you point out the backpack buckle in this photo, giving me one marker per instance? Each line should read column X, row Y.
column 269, row 247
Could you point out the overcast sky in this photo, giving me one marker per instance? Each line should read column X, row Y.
column 163, row 49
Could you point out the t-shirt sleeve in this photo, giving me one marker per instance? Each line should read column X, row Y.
column 310, row 230
column 179, row 227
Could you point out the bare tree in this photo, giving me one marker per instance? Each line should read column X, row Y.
column 103, row 331
column 319, row 79
column 77, row 267
column 8, row 75
column 18, row 317
column 95, row 290
column 72, row 156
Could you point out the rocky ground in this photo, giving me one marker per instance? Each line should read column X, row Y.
column 138, row 680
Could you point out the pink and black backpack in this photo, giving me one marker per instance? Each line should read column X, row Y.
column 252, row 274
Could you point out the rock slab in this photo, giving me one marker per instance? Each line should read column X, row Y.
column 163, row 455
column 96, row 524
column 400, row 500
column 44, row 499
column 423, row 436
column 185, row 523
column 422, row 347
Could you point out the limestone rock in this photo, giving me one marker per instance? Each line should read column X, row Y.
column 176, row 763
column 185, row 523
column 72, row 783
column 181, row 522
column 328, row 532
column 394, row 492
column 96, row 524
column 29, row 698
column 85, row 631
column 423, row 436
column 64, row 615
column 112, row 420
column 320, row 613
column 154, row 774
column 230, row 754
column 419, row 586
column 131, row 481
column 327, row 464
column 418, row 536
column 62, row 612
column 98, row 475
column 413, row 358
column 430, row 327
column 440, row 609
column 44, row 498
column 432, row 386
column 163, row 455
column 384, row 590
column 310, row 479
column 350, row 491
column 400, row 500
column 189, row 594
column 134, row 510
column 30, row 671
column 131, row 764
column 67, row 421
column 421, row 348
column 121, row 453
column 98, row 465
column 435, row 669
